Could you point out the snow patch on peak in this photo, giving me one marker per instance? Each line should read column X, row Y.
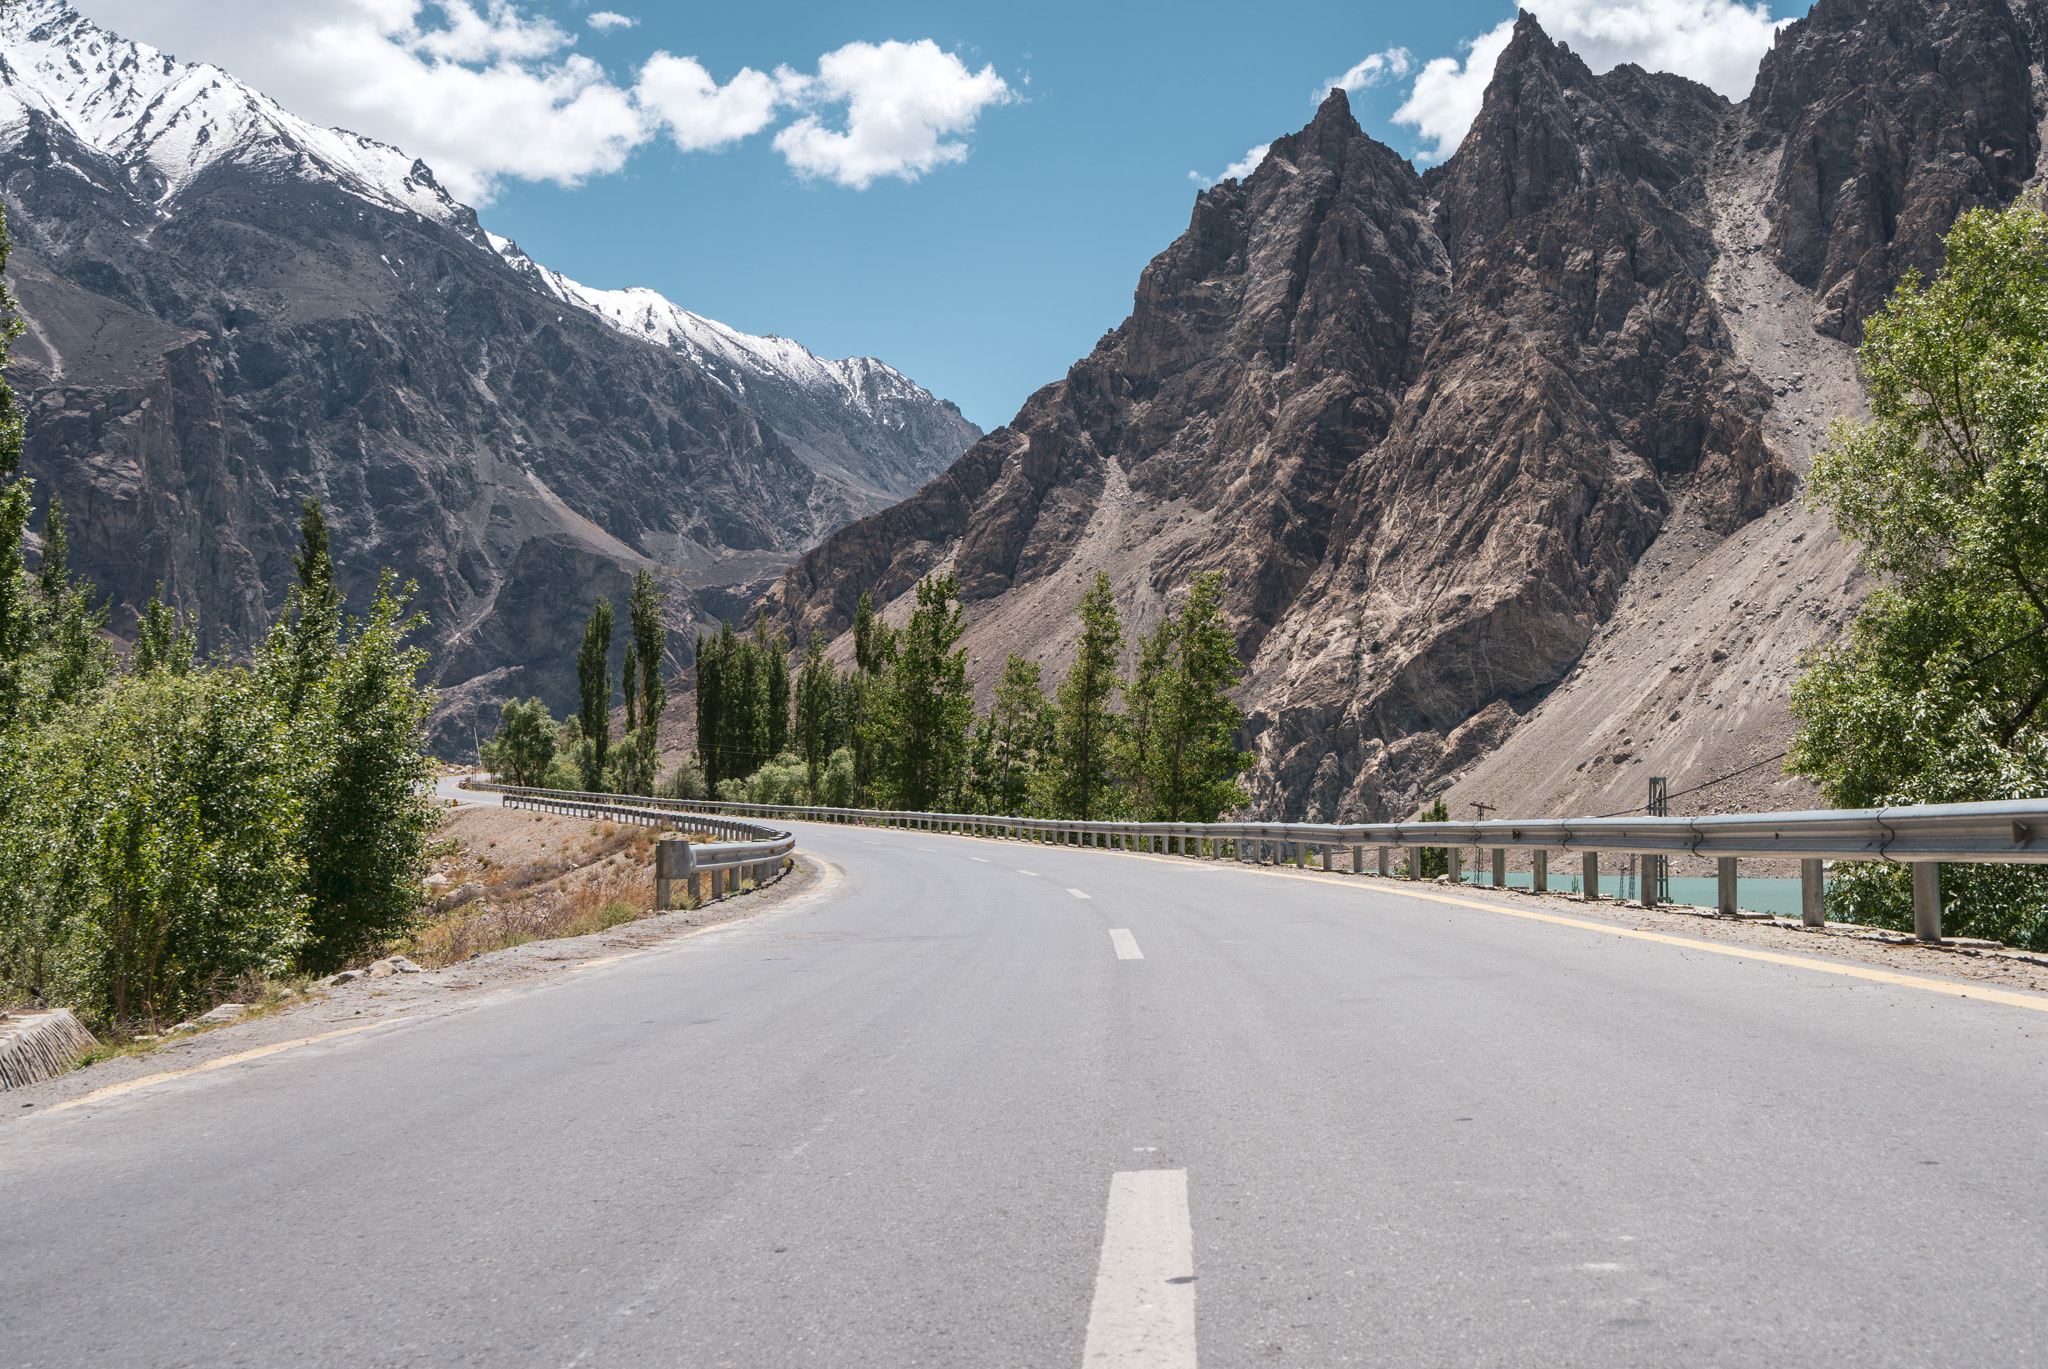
column 730, row 357
column 167, row 122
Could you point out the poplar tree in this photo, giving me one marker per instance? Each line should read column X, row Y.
column 816, row 697
column 314, row 609
column 772, row 652
column 1022, row 721
column 594, row 682
column 710, row 697
column 923, row 705
column 874, row 647
column 1182, row 726
column 1081, row 783
column 650, row 635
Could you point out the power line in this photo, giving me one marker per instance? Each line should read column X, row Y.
column 1707, row 785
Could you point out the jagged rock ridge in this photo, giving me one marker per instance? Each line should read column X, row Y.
column 1444, row 432
column 229, row 310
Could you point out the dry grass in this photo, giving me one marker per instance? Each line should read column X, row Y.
column 260, row 996
column 541, row 877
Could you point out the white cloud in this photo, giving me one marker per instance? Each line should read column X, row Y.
column 1447, row 93
column 1390, row 65
column 484, row 93
column 489, row 95
column 698, row 112
column 603, row 20
column 902, row 100
column 1715, row 42
column 1237, row 170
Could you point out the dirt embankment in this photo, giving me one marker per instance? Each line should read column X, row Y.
column 523, row 898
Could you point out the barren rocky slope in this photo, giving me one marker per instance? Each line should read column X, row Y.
column 1502, row 461
column 229, row 310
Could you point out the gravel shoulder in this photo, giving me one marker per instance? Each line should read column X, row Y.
column 368, row 1003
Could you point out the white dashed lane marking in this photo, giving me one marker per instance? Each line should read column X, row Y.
column 1144, row 1311
column 1126, row 944
column 1032, row 873
column 1077, row 893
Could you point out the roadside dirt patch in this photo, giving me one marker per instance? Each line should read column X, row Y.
column 370, row 1002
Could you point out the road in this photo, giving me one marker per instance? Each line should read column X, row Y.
column 978, row 1103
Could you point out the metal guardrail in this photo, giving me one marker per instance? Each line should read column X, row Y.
column 1924, row 837
column 753, row 849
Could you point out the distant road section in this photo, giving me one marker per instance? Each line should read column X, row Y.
column 945, row 1112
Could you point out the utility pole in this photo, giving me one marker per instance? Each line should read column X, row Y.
column 1657, row 869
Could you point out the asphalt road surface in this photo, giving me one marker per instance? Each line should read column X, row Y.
column 981, row 1103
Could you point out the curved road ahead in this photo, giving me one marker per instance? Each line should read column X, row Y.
column 979, row 1103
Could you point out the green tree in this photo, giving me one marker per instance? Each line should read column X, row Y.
column 709, row 658
column 164, row 640
column 313, row 613
column 922, row 705
column 1181, row 723
column 524, row 747
column 1436, row 860
column 1936, row 693
column 629, row 688
column 369, row 813
column 874, row 649
column 772, row 652
column 648, row 615
column 165, row 835
column 817, row 689
column 1024, row 730
column 594, row 685
column 1081, row 782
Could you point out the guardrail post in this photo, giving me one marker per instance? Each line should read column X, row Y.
column 1500, row 867
column 1650, row 870
column 672, row 861
column 1927, row 900
column 1589, row 877
column 1457, row 866
column 1386, row 861
column 1812, row 895
column 1724, row 869
column 1539, row 872
column 1415, row 862
column 1326, row 855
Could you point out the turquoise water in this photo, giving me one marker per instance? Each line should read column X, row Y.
column 1779, row 896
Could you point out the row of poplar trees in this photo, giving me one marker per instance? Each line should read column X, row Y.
column 531, row 748
column 899, row 730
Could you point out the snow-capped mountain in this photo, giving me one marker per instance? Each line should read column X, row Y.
column 229, row 309
column 804, row 395
column 166, row 124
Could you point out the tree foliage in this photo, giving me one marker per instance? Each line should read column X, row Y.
column 594, row 691
column 524, row 748
column 1080, row 782
column 1936, row 693
column 169, row 830
column 923, row 708
column 1183, row 759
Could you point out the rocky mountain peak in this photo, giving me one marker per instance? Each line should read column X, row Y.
column 1548, row 126
column 1889, row 118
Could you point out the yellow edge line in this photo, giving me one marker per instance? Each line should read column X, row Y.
column 2036, row 1002
column 130, row 1085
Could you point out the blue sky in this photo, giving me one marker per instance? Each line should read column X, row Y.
column 1057, row 165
